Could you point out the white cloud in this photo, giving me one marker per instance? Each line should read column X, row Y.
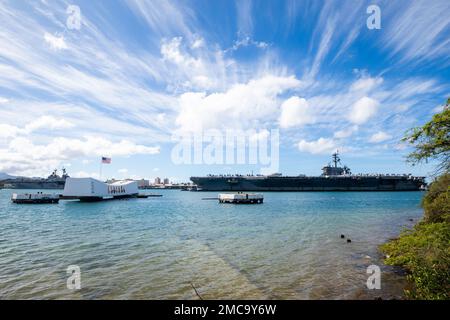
column 47, row 123
column 320, row 146
column 417, row 31
column 296, row 112
column 413, row 87
column 44, row 122
column 402, row 107
column 137, row 92
column 55, row 42
column 84, row 174
column 345, row 133
column 8, row 131
column 22, row 155
column 366, row 84
column 122, row 171
column 247, row 41
column 99, row 73
column 170, row 50
column 244, row 17
column 198, row 43
column 190, row 71
column 324, row 47
column 363, row 109
column 380, row 136
column 165, row 17
column 66, row 148
column 240, row 106
column 261, row 135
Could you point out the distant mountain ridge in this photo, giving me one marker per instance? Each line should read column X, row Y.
column 4, row 176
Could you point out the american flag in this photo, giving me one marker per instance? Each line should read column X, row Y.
column 106, row 160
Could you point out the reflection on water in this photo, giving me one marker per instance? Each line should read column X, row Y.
column 287, row 248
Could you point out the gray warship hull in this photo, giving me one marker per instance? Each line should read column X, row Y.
column 54, row 181
column 333, row 178
column 319, row 183
column 34, row 184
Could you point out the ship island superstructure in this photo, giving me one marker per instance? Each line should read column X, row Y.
column 335, row 177
column 53, row 181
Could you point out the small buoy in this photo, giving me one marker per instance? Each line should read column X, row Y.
column 411, row 219
column 342, row 236
column 348, row 240
column 367, row 257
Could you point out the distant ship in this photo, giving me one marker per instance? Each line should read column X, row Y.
column 53, row 181
column 335, row 177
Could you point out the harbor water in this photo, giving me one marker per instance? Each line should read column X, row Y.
column 289, row 247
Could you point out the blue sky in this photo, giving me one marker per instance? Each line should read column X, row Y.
column 137, row 72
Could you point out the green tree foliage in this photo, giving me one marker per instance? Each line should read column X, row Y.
column 432, row 141
column 424, row 251
column 436, row 202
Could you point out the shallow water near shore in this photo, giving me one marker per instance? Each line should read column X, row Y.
column 155, row 248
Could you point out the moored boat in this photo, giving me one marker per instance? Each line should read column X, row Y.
column 241, row 198
column 34, row 198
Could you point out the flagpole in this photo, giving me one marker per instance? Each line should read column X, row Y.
column 101, row 162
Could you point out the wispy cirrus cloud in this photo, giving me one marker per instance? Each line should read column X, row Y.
column 55, row 41
column 165, row 18
column 417, row 31
column 174, row 66
column 244, row 14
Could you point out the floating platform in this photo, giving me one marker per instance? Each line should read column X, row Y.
column 34, row 198
column 241, row 198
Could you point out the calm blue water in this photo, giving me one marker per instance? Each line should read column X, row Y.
column 287, row 248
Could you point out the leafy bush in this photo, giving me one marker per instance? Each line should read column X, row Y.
column 424, row 252
column 436, row 202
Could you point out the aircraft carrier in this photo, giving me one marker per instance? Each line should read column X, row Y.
column 335, row 177
column 53, row 181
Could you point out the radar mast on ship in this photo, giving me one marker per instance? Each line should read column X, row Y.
column 335, row 170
